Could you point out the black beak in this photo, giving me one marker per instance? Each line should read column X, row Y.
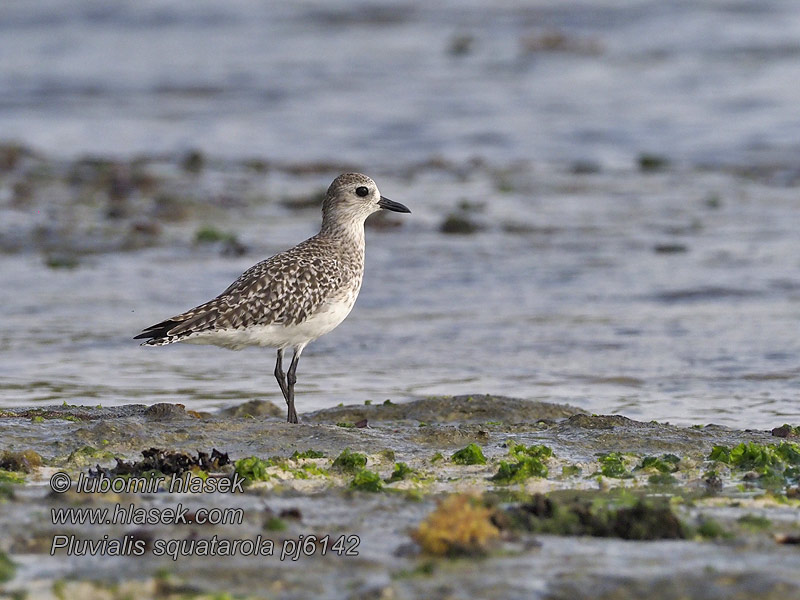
column 392, row 205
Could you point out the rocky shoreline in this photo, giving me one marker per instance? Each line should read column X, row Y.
column 442, row 497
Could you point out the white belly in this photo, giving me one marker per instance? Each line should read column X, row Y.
column 278, row 336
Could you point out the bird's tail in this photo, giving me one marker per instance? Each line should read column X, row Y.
column 159, row 334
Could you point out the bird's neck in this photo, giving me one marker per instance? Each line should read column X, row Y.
column 348, row 238
column 344, row 231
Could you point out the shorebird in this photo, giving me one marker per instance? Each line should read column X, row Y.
column 294, row 297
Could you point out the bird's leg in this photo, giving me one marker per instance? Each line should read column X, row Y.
column 291, row 379
column 281, row 376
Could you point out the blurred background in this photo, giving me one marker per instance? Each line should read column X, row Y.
column 605, row 198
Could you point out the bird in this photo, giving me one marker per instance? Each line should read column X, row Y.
column 292, row 298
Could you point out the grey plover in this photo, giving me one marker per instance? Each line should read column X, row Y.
column 294, row 297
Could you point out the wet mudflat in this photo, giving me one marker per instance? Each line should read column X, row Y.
column 663, row 292
column 442, row 497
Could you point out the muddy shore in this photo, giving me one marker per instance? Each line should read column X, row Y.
column 619, row 509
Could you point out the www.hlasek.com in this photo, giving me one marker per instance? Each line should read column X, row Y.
column 130, row 514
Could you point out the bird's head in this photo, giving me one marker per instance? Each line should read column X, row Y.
column 354, row 197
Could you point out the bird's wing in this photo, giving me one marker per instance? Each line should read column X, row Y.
column 282, row 290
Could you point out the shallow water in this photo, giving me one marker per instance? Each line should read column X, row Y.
column 377, row 83
column 671, row 296
column 576, row 306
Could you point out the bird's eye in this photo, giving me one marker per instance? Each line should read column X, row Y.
column 362, row 191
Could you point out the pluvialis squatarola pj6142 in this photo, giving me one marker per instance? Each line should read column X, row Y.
column 294, row 297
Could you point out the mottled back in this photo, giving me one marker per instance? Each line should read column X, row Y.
column 291, row 286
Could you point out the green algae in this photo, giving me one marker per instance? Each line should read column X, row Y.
column 87, row 455
column 470, row 455
column 308, row 454
column 274, row 523
column 776, row 465
column 210, row 235
column 661, row 479
column 304, row 471
column 6, row 491
column 529, row 462
column 424, row 569
column 11, row 477
column 612, row 464
column 712, row 529
column 661, row 469
column 401, row 471
column 252, row 468
column 349, row 462
column 367, row 481
column 666, row 463
column 751, row 455
column 7, row 568
column 387, row 454
column 754, row 522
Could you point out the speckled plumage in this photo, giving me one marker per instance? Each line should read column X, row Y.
column 294, row 297
column 283, row 290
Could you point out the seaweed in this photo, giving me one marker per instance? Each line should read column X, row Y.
column 168, row 462
column 209, row 235
column 661, row 479
column 24, row 461
column 711, row 529
column 401, row 471
column 612, row 464
column 751, row 455
column 7, row 568
column 252, row 468
column 274, row 523
column 460, row 525
column 667, row 463
column 11, row 477
column 754, row 522
column 367, row 481
column 308, row 454
column 643, row 520
column 529, row 462
column 470, row 455
column 86, row 455
column 350, row 462
column 776, row 465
